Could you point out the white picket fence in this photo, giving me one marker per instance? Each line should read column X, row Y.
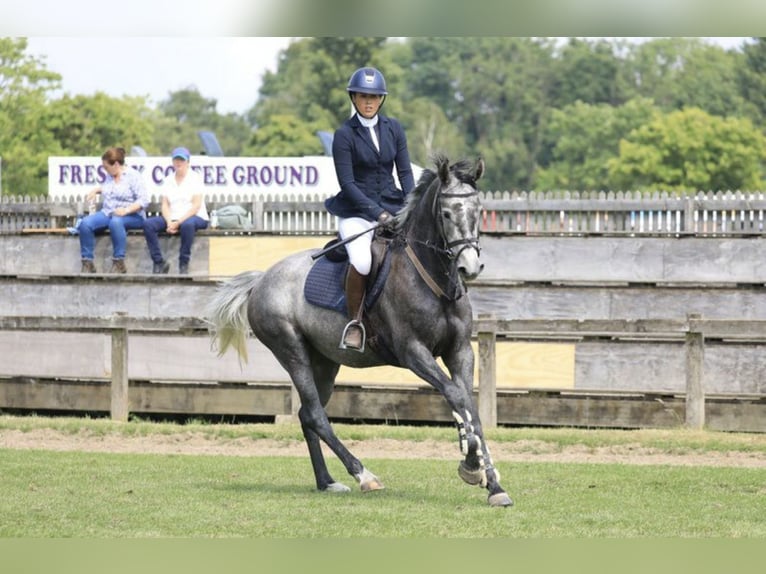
column 633, row 213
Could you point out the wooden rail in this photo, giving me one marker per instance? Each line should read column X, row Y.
column 117, row 326
column 692, row 332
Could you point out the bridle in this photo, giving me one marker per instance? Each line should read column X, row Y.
column 465, row 242
column 446, row 249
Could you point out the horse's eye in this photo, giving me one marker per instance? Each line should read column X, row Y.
column 447, row 214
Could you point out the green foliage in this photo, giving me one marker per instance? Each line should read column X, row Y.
column 685, row 72
column 495, row 90
column 584, row 137
column 544, row 113
column 689, row 150
column 87, row 125
column 186, row 112
column 286, row 135
column 429, row 132
column 25, row 142
column 752, row 79
column 587, row 72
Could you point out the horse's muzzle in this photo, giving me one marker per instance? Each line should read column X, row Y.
column 469, row 264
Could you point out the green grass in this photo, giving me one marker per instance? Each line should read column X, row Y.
column 55, row 494
column 47, row 494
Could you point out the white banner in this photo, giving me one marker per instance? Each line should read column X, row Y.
column 73, row 177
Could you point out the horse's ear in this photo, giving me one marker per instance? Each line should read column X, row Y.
column 442, row 167
column 479, row 169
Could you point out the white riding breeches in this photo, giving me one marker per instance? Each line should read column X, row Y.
column 359, row 250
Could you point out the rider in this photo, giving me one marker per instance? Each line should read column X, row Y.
column 365, row 150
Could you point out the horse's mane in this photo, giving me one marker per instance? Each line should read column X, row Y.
column 461, row 169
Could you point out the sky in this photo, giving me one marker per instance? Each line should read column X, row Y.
column 227, row 69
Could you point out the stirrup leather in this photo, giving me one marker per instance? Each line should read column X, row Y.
column 350, row 326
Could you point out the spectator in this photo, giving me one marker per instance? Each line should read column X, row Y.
column 183, row 213
column 123, row 200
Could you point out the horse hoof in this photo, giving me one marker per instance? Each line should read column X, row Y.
column 372, row 485
column 368, row 481
column 336, row 487
column 500, row 499
column 472, row 477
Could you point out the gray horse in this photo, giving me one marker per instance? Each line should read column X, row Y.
column 420, row 314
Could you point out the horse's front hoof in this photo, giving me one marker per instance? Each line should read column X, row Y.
column 500, row 499
column 472, row 477
column 368, row 481
column 336, row 487
column 372, row 485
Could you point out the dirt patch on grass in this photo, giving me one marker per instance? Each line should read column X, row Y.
column 190, row 443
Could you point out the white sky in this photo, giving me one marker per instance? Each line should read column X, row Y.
column 227, row 69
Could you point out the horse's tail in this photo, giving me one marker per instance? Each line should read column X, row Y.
column 227, row 314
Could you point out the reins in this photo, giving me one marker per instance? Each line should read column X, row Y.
column 423, row 272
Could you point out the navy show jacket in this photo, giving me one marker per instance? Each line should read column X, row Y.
column 367, row 185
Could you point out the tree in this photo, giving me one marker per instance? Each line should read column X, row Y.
column 496, row 91
column 588, row 72
column 430, row 132
column 285, row 135
column 584, row 137
column 681, row 73
column 25, row 141
column 87, row 125
column 186, row 112
column 690, row 150
column 752, row 79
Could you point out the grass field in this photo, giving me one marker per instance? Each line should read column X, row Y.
column 50, row 494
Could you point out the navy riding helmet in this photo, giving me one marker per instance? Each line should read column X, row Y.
column 367, row 81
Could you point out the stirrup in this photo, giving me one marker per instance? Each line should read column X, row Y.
column 353, row 324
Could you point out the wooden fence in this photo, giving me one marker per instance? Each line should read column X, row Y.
column 631, row 213
column 692, row 332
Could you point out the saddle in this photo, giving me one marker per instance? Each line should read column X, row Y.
column 325, row 282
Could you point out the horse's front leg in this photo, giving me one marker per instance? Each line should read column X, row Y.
column 477, row 468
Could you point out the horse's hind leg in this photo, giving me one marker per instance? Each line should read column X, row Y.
column 314, row 383
column 324, row 378
column 324, row 481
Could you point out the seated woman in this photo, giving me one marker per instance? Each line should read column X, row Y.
column 123, row 202
column 183, row 212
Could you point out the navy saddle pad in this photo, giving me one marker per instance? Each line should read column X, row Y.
column 325, row 284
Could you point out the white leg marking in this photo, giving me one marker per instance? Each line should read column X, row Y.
column 461, row 432
column 337, row 487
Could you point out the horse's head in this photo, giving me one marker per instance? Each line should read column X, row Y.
column 442, row 218
column 458, row 211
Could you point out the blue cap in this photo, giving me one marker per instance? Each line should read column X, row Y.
column 181, row 152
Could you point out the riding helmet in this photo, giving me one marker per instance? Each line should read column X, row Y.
column 367, row 81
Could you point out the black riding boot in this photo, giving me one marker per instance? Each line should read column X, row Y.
column 354, row 334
